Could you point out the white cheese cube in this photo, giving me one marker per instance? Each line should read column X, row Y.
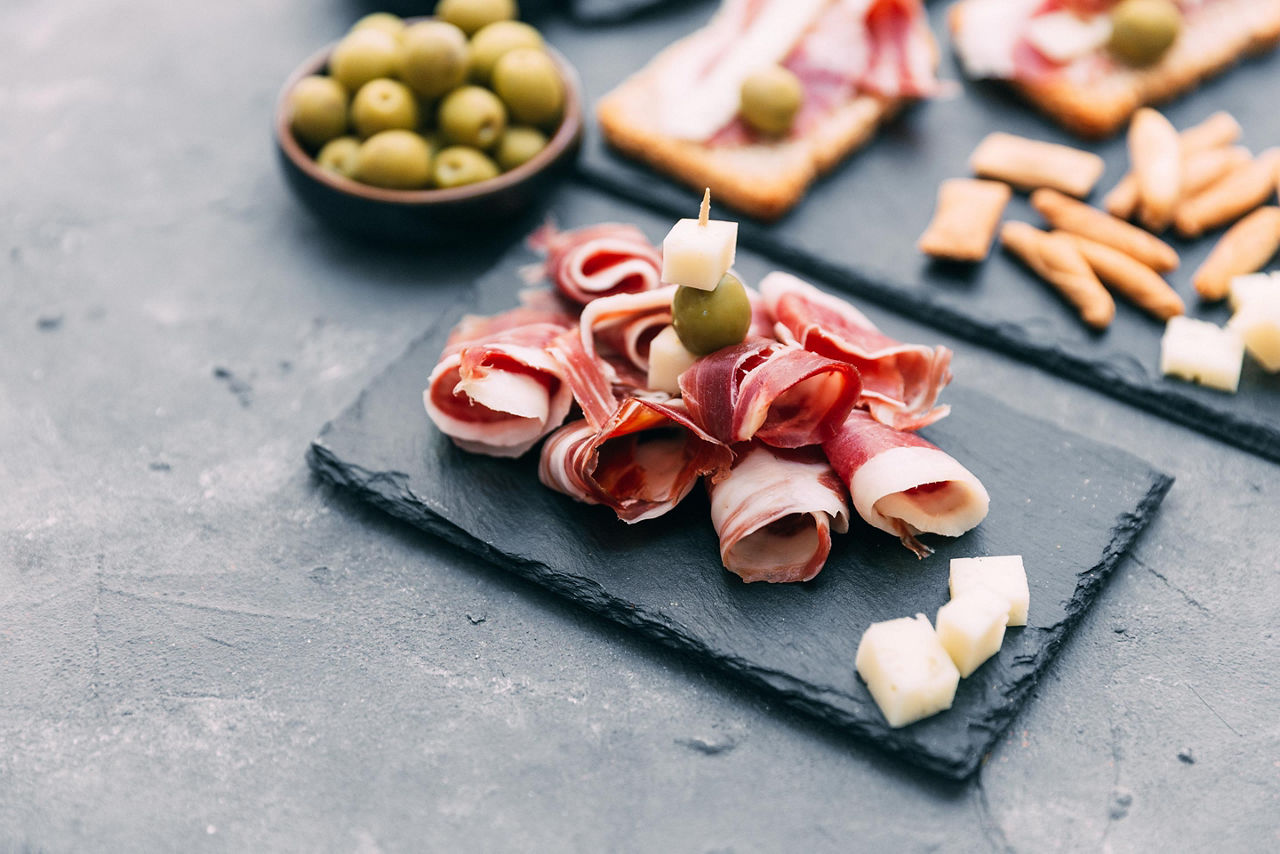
column 1258, row 324
column 971, row 627
column 1245, row 288
column 1202, row 352
column 696, row 256
column 668, row 359
column 909, row 674
column 1003, row 575
column 1062, row 36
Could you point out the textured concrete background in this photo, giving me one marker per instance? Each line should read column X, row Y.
column 201, row 649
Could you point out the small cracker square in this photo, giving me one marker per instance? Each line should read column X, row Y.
column 965, row 220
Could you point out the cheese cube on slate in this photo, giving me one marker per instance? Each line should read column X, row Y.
column 1245, row 288
column 971, row 627
column 909, row 674
column 1258, row 324
column 696, row 256
column 668, row 359
column 1002, row 575
column 1202, row 352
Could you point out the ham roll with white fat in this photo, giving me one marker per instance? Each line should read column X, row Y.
column 904, row 485
column 781, row 394
column 774, row 513
column 597, row 261
column 620, row 328
column 496, row 390
column 900, row 382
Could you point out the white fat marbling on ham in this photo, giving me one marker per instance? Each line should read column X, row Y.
column 902, row 484
column 774, row 513
column 900, row 382
column 496, row 390
column 596, row 261
column 619, row 329
column 779, row 393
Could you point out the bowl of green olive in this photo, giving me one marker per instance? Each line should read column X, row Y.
column 419, row 130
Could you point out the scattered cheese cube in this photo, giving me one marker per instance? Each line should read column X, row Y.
column 668, row 359
column 971, row 627
column 1063, row 36
column 1202, row 352
column 696, row 255
column 1258, row 324
column 1002, row 575
column 909, row 674
column 1245, row 288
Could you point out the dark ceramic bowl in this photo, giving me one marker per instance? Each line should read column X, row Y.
column 427, row 216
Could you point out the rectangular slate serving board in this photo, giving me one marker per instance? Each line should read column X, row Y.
column 1071, row 506
column 857, row 227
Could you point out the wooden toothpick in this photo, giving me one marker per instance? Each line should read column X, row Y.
column 705, row 211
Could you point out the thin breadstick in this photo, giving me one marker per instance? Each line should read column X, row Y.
column 1245, row 248
column 1156, row 154
column 1217, row 131
column 1028, row 164
column 1058, row 261
column 1202, row 169
column 965, row 220
column 1076, row 217
column 1129, row 277
column 1230, row 198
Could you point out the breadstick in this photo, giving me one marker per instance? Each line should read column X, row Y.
column 1058, row 260
column 1220, row 129
column 1202, row 169
column 1245, row 248
column 1078, row 218
column 1028, row 164
column 965, row 220
column 1156, row 154
column 1132, row 279
column 1242, row 190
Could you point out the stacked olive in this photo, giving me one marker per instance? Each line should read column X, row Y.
column 437, row 103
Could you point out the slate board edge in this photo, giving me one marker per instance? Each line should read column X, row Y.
column 387, row 491
column 880, row 288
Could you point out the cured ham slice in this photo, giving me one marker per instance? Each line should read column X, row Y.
column 597, row 261
column 904, row 485
column 900, row 382
column 496, row 390
column 774, row 513
column 641, row 462
column 781, row 394
column 620, row 329
column 639, row 457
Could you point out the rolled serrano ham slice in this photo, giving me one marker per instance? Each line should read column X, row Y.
column 774, row 513
column 641, row 462
column 904, row 485
column 781, row 394
column 496, row 390
column 620, row 329
column 900, row 382
column 597, row 261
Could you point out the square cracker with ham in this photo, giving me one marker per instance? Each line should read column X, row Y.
column 1097, row 102
column 759, row 176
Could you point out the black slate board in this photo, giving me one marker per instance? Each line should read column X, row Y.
column 1069, row 505
column 857, row 228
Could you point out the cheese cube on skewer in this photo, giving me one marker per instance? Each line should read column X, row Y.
column 1258, row 325
column 971, row 627
column 668, row 359
column 1202, row 352
column 1003, row 575
column 1245, row 288
column 909, row 674
column 698, row 252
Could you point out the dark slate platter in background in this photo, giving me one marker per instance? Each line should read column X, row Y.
column 857, row 228
column 1069, row 505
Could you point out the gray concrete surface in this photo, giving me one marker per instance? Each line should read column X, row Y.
column 203, row 650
